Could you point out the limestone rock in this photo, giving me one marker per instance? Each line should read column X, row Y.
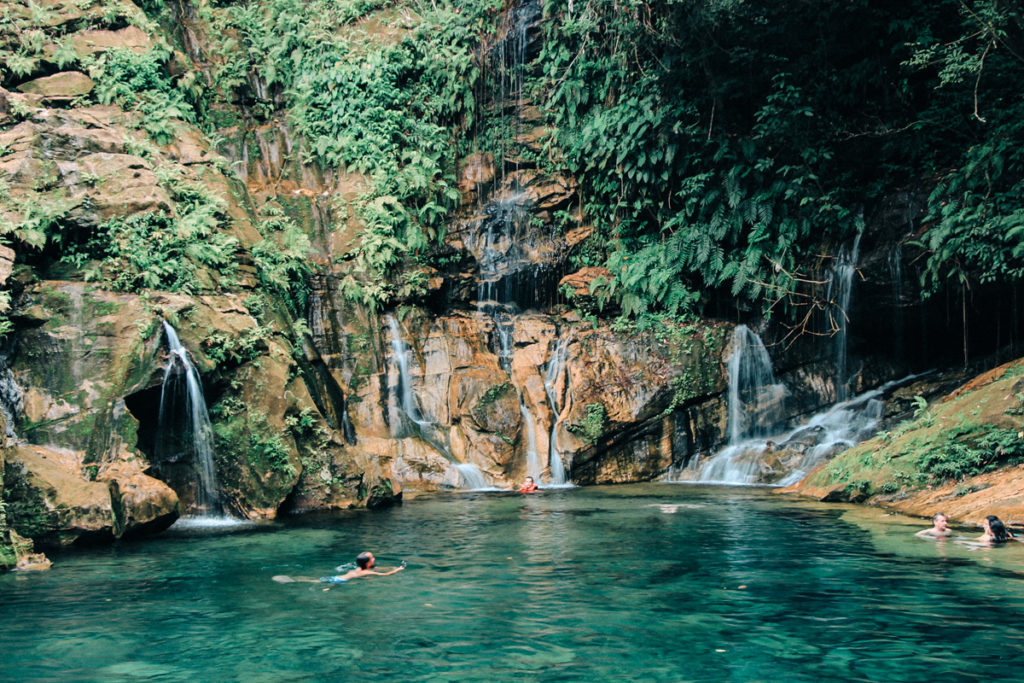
column 64, row 85
column 6, row 263
column 50, row 500
column 33, row 562
column 149, row 505
column 94, row 41
column 583, row 284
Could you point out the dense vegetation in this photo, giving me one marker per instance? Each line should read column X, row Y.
column 725, row 149
column 727, row 146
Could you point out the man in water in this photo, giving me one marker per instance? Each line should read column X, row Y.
column 528, row 486
column 365, row 566
column 938, row 530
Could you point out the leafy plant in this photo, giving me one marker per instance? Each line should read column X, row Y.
column 592, row 427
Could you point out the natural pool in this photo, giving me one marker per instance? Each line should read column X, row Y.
column 628, row 582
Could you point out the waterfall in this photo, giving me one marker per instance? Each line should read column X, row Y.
column 895, row 263
column 400, row 352
column 532, row 461
column 556, row 366
column 840, row 290
column 504, row 327
column 788, row 457
column 754, row 398
column 471, row 477
column 508, row 60
column 181, row 395
column 12, row 399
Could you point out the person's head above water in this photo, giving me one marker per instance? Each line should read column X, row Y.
column 939, row 521
column 529, row 480
column 996, row 529
column 365, row 560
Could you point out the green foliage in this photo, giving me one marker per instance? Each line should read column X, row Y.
column 42, row 219
column 725, row 146
column 593, row 424
column 976, row 211
column 921, row 412
column 703, row 157
column 242, row 435
column 493, row 394
column 234, row 350
column 154, row 250
column 6, row 325
column 158, row 250
column 282, row 258
column 141, row 83
column 382, row 106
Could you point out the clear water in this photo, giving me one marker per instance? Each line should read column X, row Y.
column 659, row 582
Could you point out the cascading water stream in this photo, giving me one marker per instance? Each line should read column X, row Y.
column 182, row 395
column 532, row 461
column 754, row 409
column 759, row 452
column 754, row 397
column 12, row 399
column 825, row 434
column 840, row 291
column 895, row 263
column 470, row 476
column 556, row 366
column 400, row 352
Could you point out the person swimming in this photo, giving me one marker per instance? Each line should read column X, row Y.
column 365, row 566
column 528, row 486
column 939, row 528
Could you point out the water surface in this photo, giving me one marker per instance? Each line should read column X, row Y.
column 657, row 582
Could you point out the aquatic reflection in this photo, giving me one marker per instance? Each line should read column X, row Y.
column 656, row 582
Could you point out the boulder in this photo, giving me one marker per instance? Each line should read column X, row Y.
column 148, row 505
column 50, row 500
column 94, row 41
column 65, row 85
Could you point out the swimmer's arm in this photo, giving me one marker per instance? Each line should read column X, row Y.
column 393, row 571
column 924, row 533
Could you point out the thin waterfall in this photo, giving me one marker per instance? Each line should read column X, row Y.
column 840, row 290
column 556, row 366
column 181, row 395
column 754, row 397
column 12, row 399
column 504, row 327
column 532, row 461
column 472, row 477
column 400, row 352
column 895, row 263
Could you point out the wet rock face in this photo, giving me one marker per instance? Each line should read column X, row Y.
column 495, row 404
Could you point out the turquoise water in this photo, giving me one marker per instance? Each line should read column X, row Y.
column 647, row 583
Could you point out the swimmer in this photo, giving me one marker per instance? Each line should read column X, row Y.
column 995, row 531
column 939, row 528
column 528, row 486
column 365, row 566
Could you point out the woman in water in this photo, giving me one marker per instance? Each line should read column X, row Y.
column 995, row 531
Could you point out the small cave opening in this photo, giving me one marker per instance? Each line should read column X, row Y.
column 165, row 441
column 145, row 408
